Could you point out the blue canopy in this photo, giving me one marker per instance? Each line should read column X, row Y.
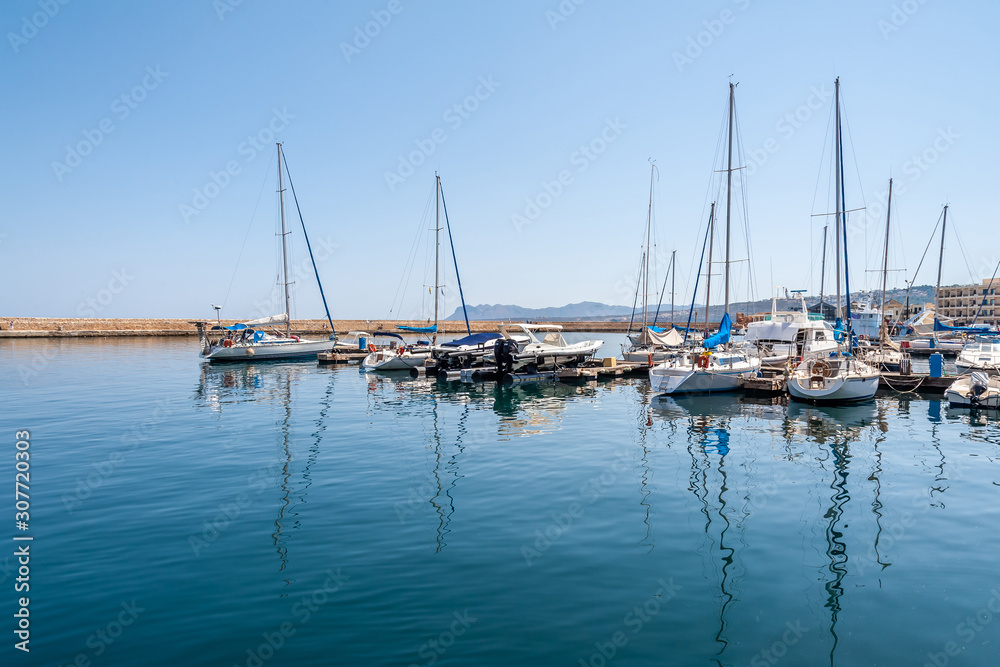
column 725, row 327
column 938, row 326
column 474, row 339
column 388, row 334
column 430, row 329
column 237, row 327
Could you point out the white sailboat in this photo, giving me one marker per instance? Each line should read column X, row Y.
column 708, row 370
column 406, row 357
column 248, row 340
column 841, row 377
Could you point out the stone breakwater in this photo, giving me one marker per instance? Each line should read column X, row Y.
column 55, row 327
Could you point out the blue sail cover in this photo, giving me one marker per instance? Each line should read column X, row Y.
column 474, row 339
column 430, row 329
column 939, row 326
column 838, row 330
column 725, row 327
column 236, row 327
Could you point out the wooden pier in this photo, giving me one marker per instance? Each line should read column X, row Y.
column 915, row 382
column 340, row 357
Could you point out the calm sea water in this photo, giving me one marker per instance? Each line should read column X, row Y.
column 291, row 514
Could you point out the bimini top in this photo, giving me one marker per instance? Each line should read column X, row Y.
column 474, row 339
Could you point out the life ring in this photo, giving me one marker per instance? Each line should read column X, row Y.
column 820, row 367
column 371, row 347
column 703, row 361
column 296, row 339
column 227, row 343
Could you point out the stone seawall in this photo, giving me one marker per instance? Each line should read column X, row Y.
column 54, row 327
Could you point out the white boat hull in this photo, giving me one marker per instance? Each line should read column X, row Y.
column 682, row 375
column 269, row 350
column 960, row 393
column 840, row 389
column 389, row 360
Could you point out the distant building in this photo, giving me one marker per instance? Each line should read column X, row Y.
column 960, row 303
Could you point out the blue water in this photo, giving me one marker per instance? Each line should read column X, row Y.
column 292, row 514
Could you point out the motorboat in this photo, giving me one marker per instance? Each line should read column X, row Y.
column 465, row 352
column 550, row 351
column 401, row 358
column 975, row 390
column 980, row 354
column 790, row 334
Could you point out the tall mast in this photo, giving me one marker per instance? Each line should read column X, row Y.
column 822, row 275
column 284, row 249
column 437, row 246
column 885, row 255
column 839, row 205
column 673, row 281
column 729, row 185
column 649, row 231
column 937, row 291
column 708, row 281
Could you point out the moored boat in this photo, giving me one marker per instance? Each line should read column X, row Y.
column 975, row 390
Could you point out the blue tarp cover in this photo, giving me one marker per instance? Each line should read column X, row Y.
column 430, row 329
column 474, row 339
column 725, row 327
column 237, row 327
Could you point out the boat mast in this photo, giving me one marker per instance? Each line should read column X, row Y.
column 673, row 282
column 885, row 255
column 849, row 324
column 729, row 187
column 839, row 205
column 822, row 275
column 284, row 249
column 437, row 247
column 708, row 280
column 649, row 231
column 937, row 290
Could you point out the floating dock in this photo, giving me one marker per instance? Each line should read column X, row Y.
column 340, row 357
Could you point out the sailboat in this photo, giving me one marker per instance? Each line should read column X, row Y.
column 258, row 339
column 840, row 377
column 708, row 370
column 406, row 357
column 651, row 344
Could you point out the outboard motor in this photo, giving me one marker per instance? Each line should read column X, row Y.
column 504, row 351
column 978, row 384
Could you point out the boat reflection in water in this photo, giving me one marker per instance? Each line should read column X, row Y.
column 226, row 387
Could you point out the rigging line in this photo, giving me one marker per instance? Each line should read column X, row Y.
column 961, row 246
column 636, row 299
column 929, row 242
column 454, row 258
column 267, row 173
column 305, row 235
column 410, row 261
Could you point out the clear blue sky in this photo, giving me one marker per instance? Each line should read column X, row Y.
column 198, row 80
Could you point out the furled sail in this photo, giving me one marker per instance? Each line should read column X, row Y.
column 273, row 319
